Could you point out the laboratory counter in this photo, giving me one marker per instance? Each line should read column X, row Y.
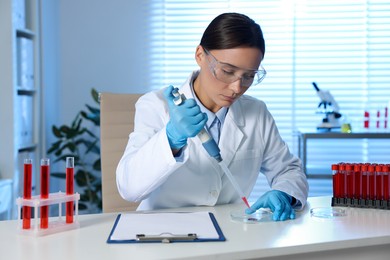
column 361, row 234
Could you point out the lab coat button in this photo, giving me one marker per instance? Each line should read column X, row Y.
column 214, row 193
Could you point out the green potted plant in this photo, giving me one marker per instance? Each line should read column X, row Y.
column 79, row 141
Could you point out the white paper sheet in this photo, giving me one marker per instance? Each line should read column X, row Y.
column 155, row 224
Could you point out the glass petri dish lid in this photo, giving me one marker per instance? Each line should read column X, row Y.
column 260, row 215
column 327, row 212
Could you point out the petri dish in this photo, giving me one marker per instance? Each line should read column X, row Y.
column 327, row 212
column 261, row 215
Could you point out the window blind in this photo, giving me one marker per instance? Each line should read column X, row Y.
column 342, row 45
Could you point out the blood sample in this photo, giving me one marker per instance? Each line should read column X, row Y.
column 371, row 182
column 357, row 194
column 342, row 180
column 45, row 175
column 364, row 181
column 69, row 188
column 386, row 182
column 350, row 183
column 379, row 182
column 27, row 187
column 336, row 182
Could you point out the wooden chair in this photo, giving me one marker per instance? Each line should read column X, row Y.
column 116, row 123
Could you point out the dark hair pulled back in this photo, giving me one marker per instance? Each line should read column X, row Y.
column 232, row 30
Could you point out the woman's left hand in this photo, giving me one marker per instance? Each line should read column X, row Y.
column 278, row 201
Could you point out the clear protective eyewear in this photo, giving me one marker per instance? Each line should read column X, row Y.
column 227, row 73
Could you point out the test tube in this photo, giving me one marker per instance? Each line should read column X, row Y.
column 357, row 180
column 336, row 181
column 45, row 175
column 342, row 179
column 364, row 181
column 378, row 119
column 350, row 184
column 371, row 182
column 379, row 182
column 69, row 188
column 366, row 119
column 386, row 182
column 27, row 187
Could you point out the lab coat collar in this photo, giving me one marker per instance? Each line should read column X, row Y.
column 232, row 135
column 186, row 88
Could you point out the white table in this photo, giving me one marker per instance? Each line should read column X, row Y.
column 363, row 234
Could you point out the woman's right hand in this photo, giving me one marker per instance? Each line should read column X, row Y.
column 186, row 120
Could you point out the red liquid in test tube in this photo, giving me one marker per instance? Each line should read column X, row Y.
column 342, row 180
column 386, row 182
column 385, row 120
column 336, row 182
column 335, row 168
column 69, row 188
column 45, row 175
column 379, row 182
column 366, row 119
column 350, row 183
column 27, row 187
column 378, row 117
column 364, row 182
column 371, row 182
column 358, row 184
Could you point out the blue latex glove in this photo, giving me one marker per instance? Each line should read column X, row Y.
column 278, row 201
column 186, row 120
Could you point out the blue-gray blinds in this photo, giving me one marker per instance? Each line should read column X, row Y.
column 343, row 46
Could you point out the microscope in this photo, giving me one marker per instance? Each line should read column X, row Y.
column 330, row 108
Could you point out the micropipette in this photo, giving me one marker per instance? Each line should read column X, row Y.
column 207, row 141
column 212, row 148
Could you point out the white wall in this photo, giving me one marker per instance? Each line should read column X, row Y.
column 99, row 44
column 91, row 44
column 102, row 44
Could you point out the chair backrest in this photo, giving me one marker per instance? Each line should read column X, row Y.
column 116, row 123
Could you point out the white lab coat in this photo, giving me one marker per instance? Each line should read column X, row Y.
column 250, row 143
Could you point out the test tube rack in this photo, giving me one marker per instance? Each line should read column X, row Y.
column 361, row 185
column 56, row 224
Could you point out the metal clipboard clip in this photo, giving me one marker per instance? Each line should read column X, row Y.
column 165, row 237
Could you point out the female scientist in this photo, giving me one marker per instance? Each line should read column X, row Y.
column 165, row 165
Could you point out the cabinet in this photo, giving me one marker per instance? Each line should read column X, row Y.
column 20, row 105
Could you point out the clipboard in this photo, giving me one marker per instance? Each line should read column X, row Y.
column 165, row 227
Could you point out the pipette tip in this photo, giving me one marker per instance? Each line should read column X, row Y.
column 246, row 201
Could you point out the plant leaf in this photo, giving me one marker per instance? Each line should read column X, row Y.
column 95, row 95
column 94, row 110
column 97, row 165
column 76, row 140
column 56, row 132
column 90, row 133
column 64, row 129
column 55, row 146
column 82, row 178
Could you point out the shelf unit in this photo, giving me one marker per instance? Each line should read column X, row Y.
column 305, row 135
column 20, row 104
